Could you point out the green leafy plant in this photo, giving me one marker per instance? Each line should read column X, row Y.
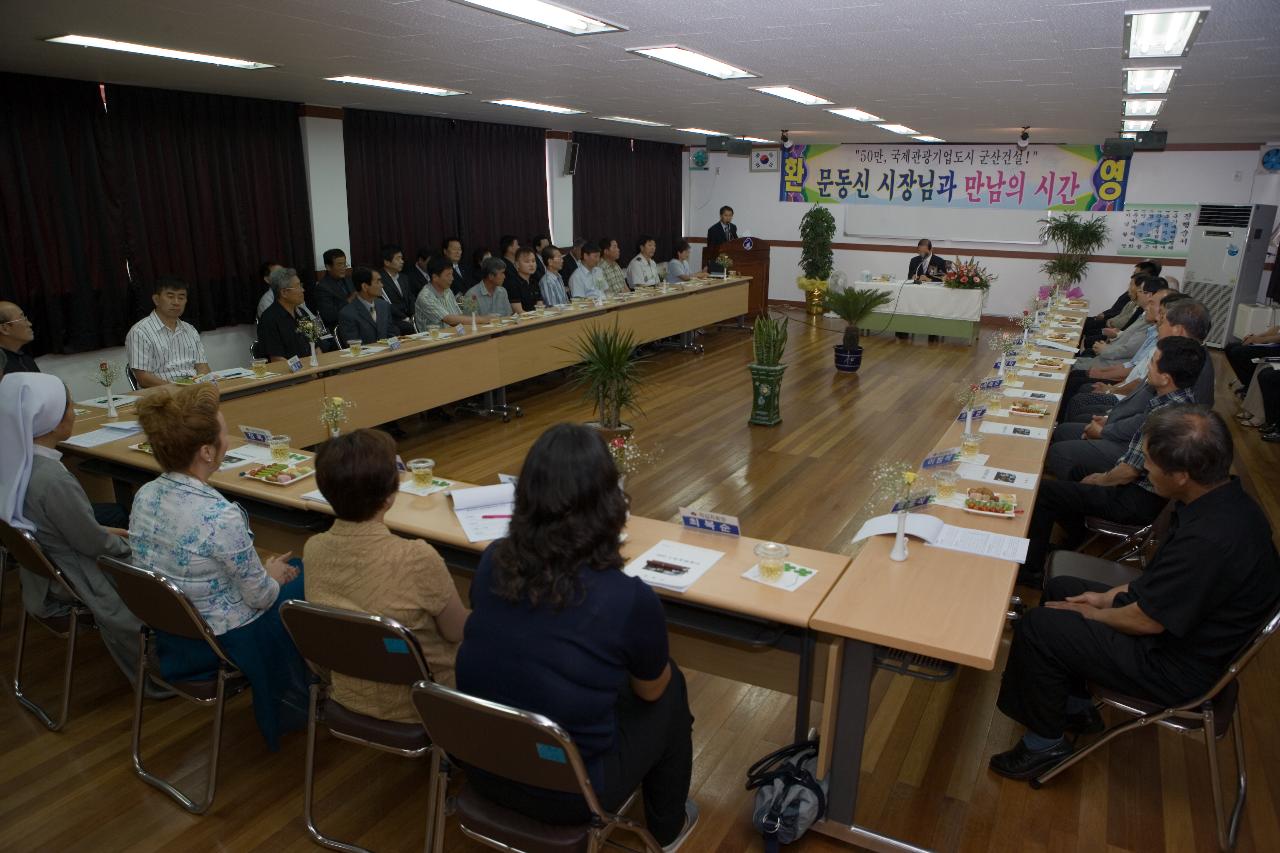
column 853, row 306
column 769, row 338
column 817, row 229
column 1075, row 238
column 609, row 376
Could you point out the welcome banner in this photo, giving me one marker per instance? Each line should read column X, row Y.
column 1038, row 177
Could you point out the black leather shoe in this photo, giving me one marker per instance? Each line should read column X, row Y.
column 1085, row 723
column 1022, row 764
column 1272, row 434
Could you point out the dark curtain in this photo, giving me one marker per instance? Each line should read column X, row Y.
column 211, row 186
column 413, row 180
column 61, row 235
column 401, row 185
column 624, row 188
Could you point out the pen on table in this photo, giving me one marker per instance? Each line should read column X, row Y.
column 659, row 565
column 495, row 516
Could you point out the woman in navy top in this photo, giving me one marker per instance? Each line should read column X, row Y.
column 557, row 629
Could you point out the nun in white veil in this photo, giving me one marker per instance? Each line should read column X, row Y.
column 39, row 495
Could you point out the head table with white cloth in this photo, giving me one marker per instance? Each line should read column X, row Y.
column 926, row 309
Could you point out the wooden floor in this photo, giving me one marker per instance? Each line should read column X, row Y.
column 924, row 772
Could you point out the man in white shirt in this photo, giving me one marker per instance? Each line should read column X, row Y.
column 583, row 283
column 269, row 298
column 161, row 347
column 642, row 271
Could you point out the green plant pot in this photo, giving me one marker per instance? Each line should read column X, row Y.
column 766, row 394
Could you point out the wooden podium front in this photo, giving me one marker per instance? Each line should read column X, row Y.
column 750, row 257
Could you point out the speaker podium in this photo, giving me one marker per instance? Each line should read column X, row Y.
column 750, row 257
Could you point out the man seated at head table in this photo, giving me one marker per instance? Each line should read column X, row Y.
column 16, row 331
column 279, row 336
column 438, row 306
column 161, row 347
column 368, row 318
column 489, row 297
column 335, row 290
column 551, row 285
column 361, row 565
column 925, row 266
column 1124, row 494
column 185, row 529
column 1168, row 634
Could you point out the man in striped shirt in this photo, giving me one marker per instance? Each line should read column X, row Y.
column 161, row 347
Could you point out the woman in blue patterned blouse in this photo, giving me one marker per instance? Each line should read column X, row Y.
column 183, row 528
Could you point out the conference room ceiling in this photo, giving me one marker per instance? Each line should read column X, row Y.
column 964, row 71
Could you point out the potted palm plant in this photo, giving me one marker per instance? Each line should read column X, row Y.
column 817, row 229
column 769, row 340
column 1075, row 238
column 853, row 306
column 609, row 376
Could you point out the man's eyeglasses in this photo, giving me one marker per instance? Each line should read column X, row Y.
column 16, row 319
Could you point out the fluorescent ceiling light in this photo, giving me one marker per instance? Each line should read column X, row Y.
column 546, row 15
column 927, row 139
column 898, row 128
column 701, row 131
column 1128, row 135
column 163, row 52
column 692, row 60
column 626, row 120
column 1148, row 81
column 392, row 84
column 754, row 139
column 534, row 105
column 855, row 114
column 1138, row 124
column 793, row 94
column 1142, row 106
column 1162, row 32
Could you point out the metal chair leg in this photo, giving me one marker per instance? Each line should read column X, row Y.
column 1106, row 737
column 1227, row 830
column 436, row 793
column 68, row 671
column 151, row 779
column 308, row 788
column 1237, row 735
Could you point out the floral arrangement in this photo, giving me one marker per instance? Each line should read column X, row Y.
column 1003, row 342
column 967, row 275
column 108, row 373
column 333, row 413
column 309, row 329
column 970, row 396
column 629, row 456
column 897, row 484
column 469, row 305
column 1028, row 322
column 811, row 285
column 724, row 261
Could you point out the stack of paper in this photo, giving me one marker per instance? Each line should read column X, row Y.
column 485, row 511
column 997, row 476
column 672, row 565
column 1047, row 396
column 939, row 534
column 993, row 428
column 101, row 402
column 105, row 434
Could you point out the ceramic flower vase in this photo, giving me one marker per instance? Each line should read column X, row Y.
column 315, row 361
column 899, row 552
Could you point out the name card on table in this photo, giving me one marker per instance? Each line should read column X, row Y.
column 257, row 435
column 993, row 428
column 975, row 414
column 923, row 500
column 1047, row 396
column 1009, row 361
column 941, row 457
column 991, row 384
column 393, row 344
column 713, row 522
column 295, row 364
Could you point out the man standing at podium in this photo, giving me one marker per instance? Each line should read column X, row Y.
column 724, row 230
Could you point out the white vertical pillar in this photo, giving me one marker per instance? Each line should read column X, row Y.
column 326, row 185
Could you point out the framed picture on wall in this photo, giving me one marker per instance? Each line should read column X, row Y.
column 765, row 159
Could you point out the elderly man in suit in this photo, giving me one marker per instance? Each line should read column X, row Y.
column 368, row 317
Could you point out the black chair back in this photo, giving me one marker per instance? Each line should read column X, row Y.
column 159, row 603
column 24, row 548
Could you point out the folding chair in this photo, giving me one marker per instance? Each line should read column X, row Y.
column 1212, row 715
column 24, row 548
column 131, row 376
column 162, row 606
column 370, row 648
column 526, row 748
column 1135, row 540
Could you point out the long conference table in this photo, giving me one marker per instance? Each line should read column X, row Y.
column 940, row 604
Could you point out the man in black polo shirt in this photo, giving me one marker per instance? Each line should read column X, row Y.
column 1168, row 634
column 16, row 332
column 278, row 335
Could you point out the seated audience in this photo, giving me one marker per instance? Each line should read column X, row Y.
column 1240, row 355
column 642, row 271
column 437, row 306
column 161, row 347
column 1167, row 635
column 538, row 242
column 361, row 565
column 451, row 251
column 16, row 331
column 521, row 289
column 417, row 274
column 572, row 257
column 39, row 495
column 614, row 278
column 185, row 529
column 488, row 299
column 279, row 338
column 552, row 285
column 474, row 275
column 368, row 317
column 1125, row 308
column 558, row 629
column 1112, row 350
column 507, row 245
column 678, row 268
column 1123, row 494
column 335, row 289
column 396, row 288
column 586, row 283
column 268, row 297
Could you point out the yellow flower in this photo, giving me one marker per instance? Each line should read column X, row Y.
column 909, row 477
column 337, row 401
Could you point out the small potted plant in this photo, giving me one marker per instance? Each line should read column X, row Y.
column 769, row 340
column 609, row 376
column 817, row 230
column 853, row 306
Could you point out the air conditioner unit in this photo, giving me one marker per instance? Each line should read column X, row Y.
column 1227, row 250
